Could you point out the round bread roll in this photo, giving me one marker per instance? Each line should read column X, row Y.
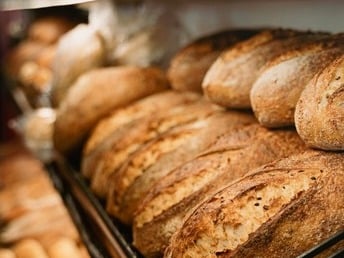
column 278, row 88
column 96, row 94
column 319, row 114
column 229, row 80
column 189, row 65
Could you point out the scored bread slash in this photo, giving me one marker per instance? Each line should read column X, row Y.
column 98, row 93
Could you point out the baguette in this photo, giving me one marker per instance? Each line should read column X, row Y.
column 96, row 94
column 230, row 78
column 124, row 142
column 161, row 212
column 276, row 91
column 189, row 65
column 280, row 210
column 147, row 106
column 157, row 158
column 319, row 112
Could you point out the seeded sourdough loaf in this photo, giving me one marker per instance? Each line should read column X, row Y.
column 189, row 65
column 278, row 88
column 141, row 108
column 319, row 115
column 162, row 211
column 110, row 155
column 280, row 210
column 96, row 94
column 230, row 78
column 154, row 160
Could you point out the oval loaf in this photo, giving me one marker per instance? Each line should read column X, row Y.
column 230, row 78
column 189, row 65
column 96, row 94
column 319, row 115
column 278, row 88
column 280, row 210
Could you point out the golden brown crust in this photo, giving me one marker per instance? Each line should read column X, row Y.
column 162, row 211
column 279, row 203
column 276, row 91
column 319, row 112
column 230, row 78
column 162, row 155
column 96, row 94
column 109, row 156
column 144, row 107
column 189, row 65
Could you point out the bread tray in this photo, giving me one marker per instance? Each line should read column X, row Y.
column 103, row 236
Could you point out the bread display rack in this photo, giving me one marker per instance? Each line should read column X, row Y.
column 190, row 134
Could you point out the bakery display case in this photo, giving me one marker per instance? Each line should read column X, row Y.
column 184, row 129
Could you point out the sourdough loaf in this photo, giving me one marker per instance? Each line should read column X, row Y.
column 96, row 94
column 276, row 91
column 189, row 65
column 319, row 115
column 110, row 155
column 230, row 78
column 154, row 160
column 141, row 108
column 162, row 211
column 280, row 210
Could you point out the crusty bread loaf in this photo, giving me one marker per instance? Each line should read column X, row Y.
column 162, row 211
column 141, row 108
column 280, row 210
column 319, row 114
column 73, row 58
column 230, row 78
column 157, row 158
column 96, row 94
column 189, row 65
column 109, row 157
column 278, row 88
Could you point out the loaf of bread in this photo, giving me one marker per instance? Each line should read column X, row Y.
column 230, row 78
column 154, row 160
column 189, row 65
column 109, row 157
column 162, row 211
column 29, row 248
column 96, row 94
column 141, row 108
column 278, row 88
column 73, row 59
column 280, row 210
column 319, row 115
